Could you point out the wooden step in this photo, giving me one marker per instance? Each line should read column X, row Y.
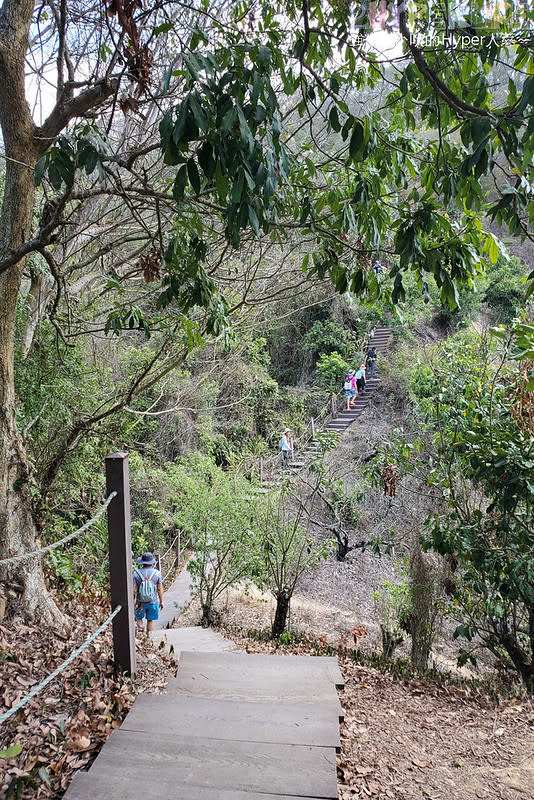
column 290, row 723
column 92, row 786
column 192, row 638
column 259, row 678
column 135, row 764
column 325, row 667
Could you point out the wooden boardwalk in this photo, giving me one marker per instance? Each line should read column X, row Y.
column 232, row 726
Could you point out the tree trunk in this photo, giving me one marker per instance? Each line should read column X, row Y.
column 37, row 301
column 280, row 616
column 17, row 528
column 343, row 547
column 519, row 658
column 390, row 641
column 422, row 618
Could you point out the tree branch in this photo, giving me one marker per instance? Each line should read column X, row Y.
column 462, row 108
column 66, row 109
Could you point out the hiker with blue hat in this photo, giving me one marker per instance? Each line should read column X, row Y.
column 148, row 592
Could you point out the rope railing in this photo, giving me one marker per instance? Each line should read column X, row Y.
column 171, row 569
column 174, row 562
column 168, row 550
column 54, row 545
column 56, row 672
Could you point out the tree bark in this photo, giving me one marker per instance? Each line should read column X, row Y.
column 37, row 301
column 18, row 533
column 390, row 641
column 280, row 615
column 520, row 658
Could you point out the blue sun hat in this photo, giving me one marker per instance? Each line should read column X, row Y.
column 146, row 560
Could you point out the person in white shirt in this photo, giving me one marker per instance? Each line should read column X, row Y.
column 286, row 446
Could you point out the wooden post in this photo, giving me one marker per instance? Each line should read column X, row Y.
column 120, row 562
column 178, row 551
column 313, row 428
column 333, row 408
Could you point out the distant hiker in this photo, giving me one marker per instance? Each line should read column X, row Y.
column 378, row 269
column 148, row 592
column 370, row 362
column 350, row 388
column 360, row 379
column 286, row 446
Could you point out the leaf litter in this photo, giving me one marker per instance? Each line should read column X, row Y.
column 62, row 729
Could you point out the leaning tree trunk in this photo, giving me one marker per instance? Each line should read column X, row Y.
column 17, row 528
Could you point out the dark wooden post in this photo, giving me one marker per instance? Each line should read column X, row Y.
column 120, row 562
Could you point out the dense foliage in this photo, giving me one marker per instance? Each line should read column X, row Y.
column 476, row 456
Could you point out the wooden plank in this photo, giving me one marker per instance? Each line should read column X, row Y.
column 240, row 766
column 107, row 786
column 276, row 690
column 320, row 666
column 192, row 639
column 293, row 723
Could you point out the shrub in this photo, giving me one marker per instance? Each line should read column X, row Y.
column 331, row 369
column 504, row 292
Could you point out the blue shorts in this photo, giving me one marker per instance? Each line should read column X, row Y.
column 350, row 392
column 148, row 610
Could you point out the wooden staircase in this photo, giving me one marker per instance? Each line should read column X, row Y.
column 232, row 726
column 379, row 340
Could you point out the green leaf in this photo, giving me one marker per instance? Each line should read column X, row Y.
column 39, row 170
column 194, row 177
column 334, row 119
column 356, row 141
column 193, row 65
column 499, row 332
column 179, row 184
column 198, row 112
column 254, row 221
column 480, row 128
column 206, row 160
column 493, row 251
column 43, row 774
column 179, row 125
column 221, row 182
column 527, row 95
column 54, row 176
column 88, row 158
column 165, row 27
column 264, row 55
column 237, row 188
column 11, row 751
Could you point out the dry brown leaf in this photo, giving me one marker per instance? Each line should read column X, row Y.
column 80, row 743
